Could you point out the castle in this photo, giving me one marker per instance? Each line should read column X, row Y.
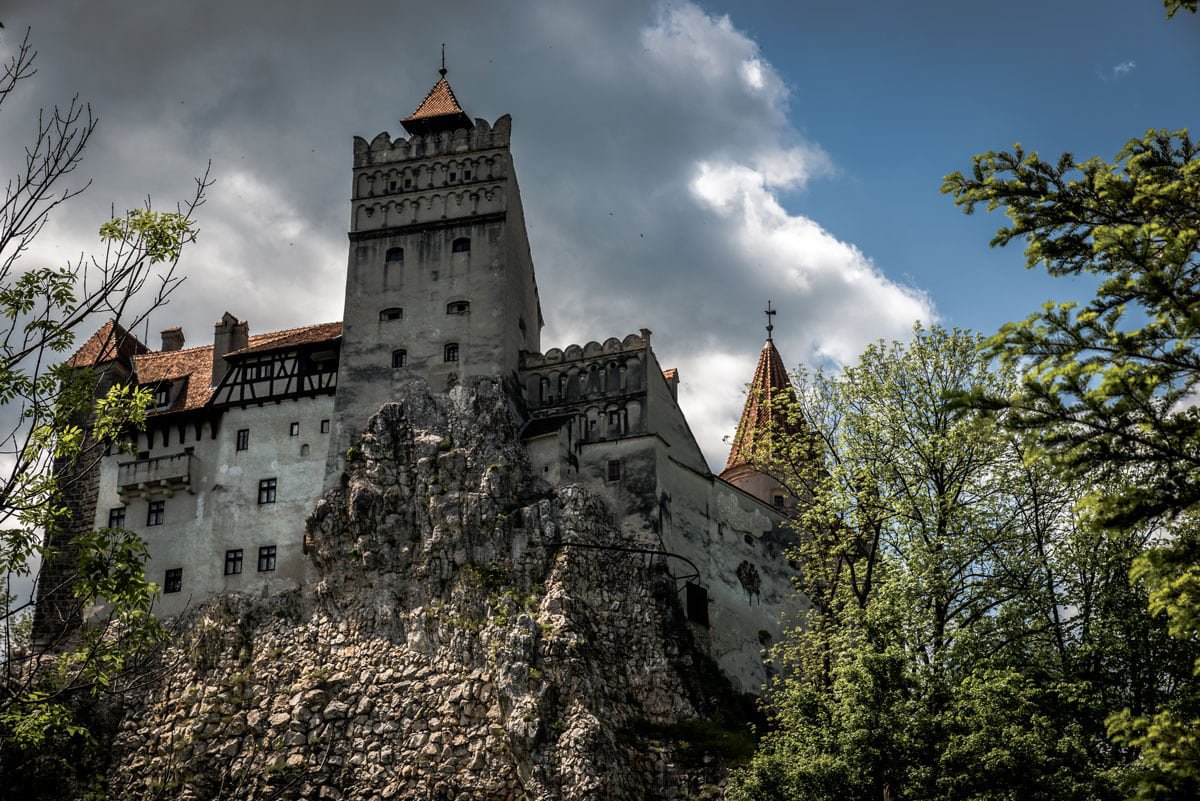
column 248, row 432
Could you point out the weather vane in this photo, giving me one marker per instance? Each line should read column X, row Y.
column 770, row 313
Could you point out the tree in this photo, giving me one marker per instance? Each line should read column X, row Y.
column 61, row 415
column 969, row 630
column 1109, row 388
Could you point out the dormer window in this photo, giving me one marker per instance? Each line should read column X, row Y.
column 395, row 256
column 394, row 313
column 458, row 307
column 162, row 396
column 451, row 352
column 461, row 245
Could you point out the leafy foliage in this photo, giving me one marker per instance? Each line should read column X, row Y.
column 59, row 418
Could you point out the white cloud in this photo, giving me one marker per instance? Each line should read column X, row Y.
column 1123, row 69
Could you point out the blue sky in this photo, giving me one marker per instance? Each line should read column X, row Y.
column 681, row 163
column 900, row 94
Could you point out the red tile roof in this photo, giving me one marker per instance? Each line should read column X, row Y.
column 110, row 343
column 195, row 364
column 439, row 102
column 759, row 421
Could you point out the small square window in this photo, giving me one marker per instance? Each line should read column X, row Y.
column 243, row 439
column 173, row 582
column 614, row 469
column 233, row 562
column 294, row 430
column 466, row 175
column 116, row 517
column 156, row 512
column 399, row 358
column 266, row 491
column 451, row 354
column 324, row 426
column 778, row 500
column 266, row 558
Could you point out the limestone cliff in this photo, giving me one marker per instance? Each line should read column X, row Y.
column 469, row 632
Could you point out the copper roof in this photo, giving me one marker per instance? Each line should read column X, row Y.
column 110, row 343
column 759, row 421
column 195, row 364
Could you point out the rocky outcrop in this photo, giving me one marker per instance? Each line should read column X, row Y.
column 469, row 633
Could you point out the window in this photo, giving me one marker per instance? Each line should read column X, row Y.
column 294, row 430
column 266, row 558
column 392, row 186
column 458, row 307
column 453, row 176
column 461, row 245
column 778, row 501
column 394, row 256
column 154, row 517
column 394, row 313
column 408, row 183
column 697, row 604
column 400, row 358
column 233, row 562
column 243, row 439
column 614, row 418
column 266, row 491
column 614, row 469
column 324, row 426
column 466, row 175
column 162, row 395
column 116, row 517
column 451, row 352
column 174, row 580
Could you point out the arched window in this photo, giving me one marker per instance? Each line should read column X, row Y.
column 400, row 358
column 458, row 307
column 461, row 245
column 451, row 352
column 395, row 256
column 394, row 313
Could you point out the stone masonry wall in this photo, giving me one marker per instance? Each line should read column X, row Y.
column 470, row 633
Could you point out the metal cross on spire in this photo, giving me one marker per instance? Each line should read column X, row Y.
column 770, row 323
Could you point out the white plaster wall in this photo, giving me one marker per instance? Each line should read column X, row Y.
column 221, row 511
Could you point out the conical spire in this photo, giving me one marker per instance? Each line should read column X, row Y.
column 439, row 111
column 761, row 417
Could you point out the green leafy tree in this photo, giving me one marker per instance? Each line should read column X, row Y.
column 59, row 416
column 969, row 629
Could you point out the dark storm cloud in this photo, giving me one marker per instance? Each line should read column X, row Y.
column 652, row 143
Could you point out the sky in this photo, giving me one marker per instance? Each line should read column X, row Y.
column 680, row 163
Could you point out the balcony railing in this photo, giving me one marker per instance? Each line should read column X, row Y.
column 162, row 475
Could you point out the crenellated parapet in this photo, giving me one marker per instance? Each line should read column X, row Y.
column 385, row 150
column 602, row 384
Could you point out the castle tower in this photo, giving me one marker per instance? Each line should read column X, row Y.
column 440, row 283
column 763, row 418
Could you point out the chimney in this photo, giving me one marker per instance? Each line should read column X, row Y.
column 229, row 334
column 172, row 339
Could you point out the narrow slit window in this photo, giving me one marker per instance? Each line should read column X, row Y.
column 243, row 439
column 614, row 469
column 294, row 430
column 461, row 245
column 324, row 426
